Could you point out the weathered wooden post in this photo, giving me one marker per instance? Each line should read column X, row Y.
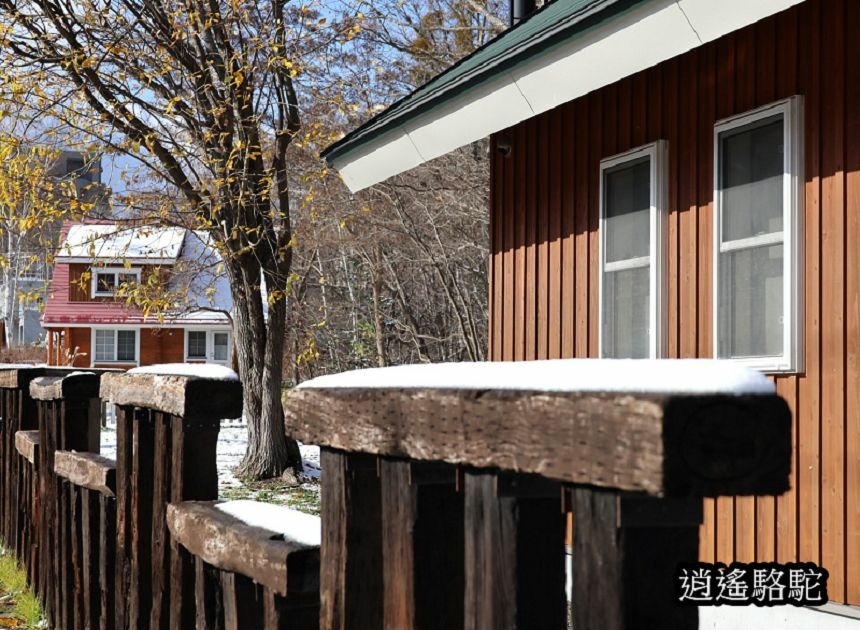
column 68, row 418
column 631, row 462
column 167, row 432
column 18, row 413
column 27, row 445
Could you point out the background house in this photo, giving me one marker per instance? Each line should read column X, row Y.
column 89, row 320
column 26, row 274
column 678, row 179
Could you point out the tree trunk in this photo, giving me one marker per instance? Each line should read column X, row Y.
column 259, row 350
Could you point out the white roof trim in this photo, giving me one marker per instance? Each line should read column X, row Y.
column 636, row 40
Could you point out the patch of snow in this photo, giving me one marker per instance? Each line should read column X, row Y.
column 117, row 243
column 294, row 525
column 199, row 370
column 645, row 376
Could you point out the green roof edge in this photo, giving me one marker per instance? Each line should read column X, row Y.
column 565, row 20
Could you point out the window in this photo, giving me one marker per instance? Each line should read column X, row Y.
column 203, row 345
column 196, row 344
column 631, row 274
column 106, row 281
column 757, row 226
column 115, row 346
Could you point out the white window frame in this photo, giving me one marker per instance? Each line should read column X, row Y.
column 115, row 329
column 657, row 152
column 210, row 344
column 791, row 109
column 116, row 271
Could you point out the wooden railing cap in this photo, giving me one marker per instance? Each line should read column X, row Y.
column 179, row 395
column 663, row 445
column 27, row 444
column 288, row 567
column 74, row 384
column 89, row 470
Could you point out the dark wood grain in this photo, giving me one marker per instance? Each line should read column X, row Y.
column 514, row 558
column 677, row 445
column 351, row 594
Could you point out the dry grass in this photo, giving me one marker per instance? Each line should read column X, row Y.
column 23, row 354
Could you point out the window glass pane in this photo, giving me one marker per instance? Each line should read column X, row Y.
column 220, row 346
column 105, row 282
column 627, row 201
column 125, row 345
column 197, row 344
column 750, row 311
column 626, row 313
column 126, row 278
column 104, row 345
column 751, row 171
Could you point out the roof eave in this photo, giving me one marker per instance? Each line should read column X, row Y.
column 614, row 44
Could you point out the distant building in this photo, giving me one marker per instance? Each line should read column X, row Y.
column 21, row 317
column 90, row 325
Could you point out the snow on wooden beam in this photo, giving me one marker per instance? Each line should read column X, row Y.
column 71, row 385
column 273, row 559
column 87, row 470
column 675, row 444
column 27, row 444
column 189, row 397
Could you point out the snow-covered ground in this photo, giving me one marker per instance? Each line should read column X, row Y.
column 232, row 442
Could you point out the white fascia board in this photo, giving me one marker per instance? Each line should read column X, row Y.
column 492, row 106
column 713, row 19
column 632, row 42
column 389, row 155
column 89, row 260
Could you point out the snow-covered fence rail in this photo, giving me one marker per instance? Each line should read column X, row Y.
column 446, row 489
column 93, row 532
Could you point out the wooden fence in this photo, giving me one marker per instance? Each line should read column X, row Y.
column 94, row 533
column 440, row 508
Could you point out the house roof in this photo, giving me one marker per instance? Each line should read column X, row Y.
column 561, row 52
column 112, row 243
column 207, row 287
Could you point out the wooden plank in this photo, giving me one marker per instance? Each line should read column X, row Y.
column 160, row 541
column 542, row 233
column 809, row 394
column 670, row 103
column 625, row 552
column 186, row 396
column 243, row 605
column 785, row 505
column 688, row 207
column 27, row 444
column 76, row 596
column 58, row 387
column 514, row 552
column 622, row 441
column 508, row 338
column 282, row 564
column 584, row 166
column 596, row 152
column 208, row 601
column 497, row 207
column 833, row 300
column 521, row 210
column 87, row 470
column 422, row 547
column 531, row 208
column 107, row 561
column 124, row 515
column 351, row 595
column 140, row 591
column 567, row 276
column 554, row 211
column 852, row 300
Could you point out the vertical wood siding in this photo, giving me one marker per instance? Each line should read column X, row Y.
column 544, row 267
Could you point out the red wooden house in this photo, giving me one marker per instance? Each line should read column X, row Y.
column 677, row 179
column 91, row 324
